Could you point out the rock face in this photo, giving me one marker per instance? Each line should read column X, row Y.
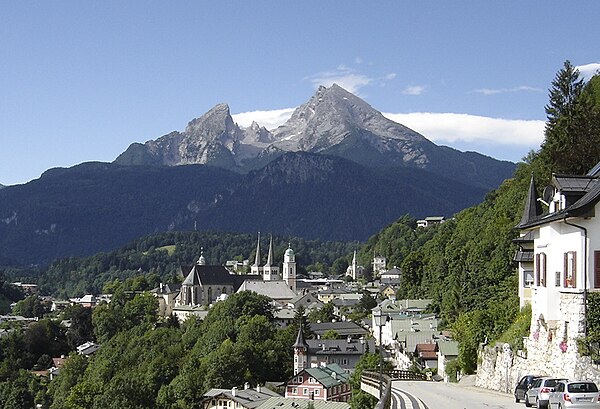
column 333, row 122
column 334, row 117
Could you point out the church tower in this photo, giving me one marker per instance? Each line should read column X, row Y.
column 289, row 268
column 300, row 352
column 256, row 268
column 270, row 271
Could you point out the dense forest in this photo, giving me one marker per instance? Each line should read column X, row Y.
column 465, row 265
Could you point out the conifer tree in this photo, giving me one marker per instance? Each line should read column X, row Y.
column 572, row 137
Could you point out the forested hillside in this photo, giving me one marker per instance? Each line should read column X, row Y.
column 159, row 257
column 465, row 264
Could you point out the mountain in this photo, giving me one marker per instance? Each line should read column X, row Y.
column 96, row 207
column 333, row 122
column 2, row 186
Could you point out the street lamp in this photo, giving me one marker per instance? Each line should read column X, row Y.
column 380, row 320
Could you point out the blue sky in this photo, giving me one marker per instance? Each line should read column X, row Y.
column 80, row 81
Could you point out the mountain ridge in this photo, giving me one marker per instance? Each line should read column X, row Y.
column 96, row 206
column 333, row 122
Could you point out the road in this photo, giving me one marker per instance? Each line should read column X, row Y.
column 439, row 395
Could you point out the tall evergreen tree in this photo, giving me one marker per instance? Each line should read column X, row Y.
column 572, row 143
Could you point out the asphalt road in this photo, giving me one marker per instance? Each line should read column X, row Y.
column 439, row 395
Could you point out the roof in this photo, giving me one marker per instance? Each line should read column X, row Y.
column 328, row 376
column 411, row 339
column 573, row 183
column 340, row 346
column 276, row 290
column 533, row 207
column 343, row 328
column 288, row 403
column 569, row 184
column 426, row 351
column 392, row 271
column 448, row 348
column 524, row 256
column 209, row 275
column 300, row 341
column 247, row 398
column 526, row 238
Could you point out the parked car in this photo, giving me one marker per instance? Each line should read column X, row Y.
column 539, row 392
column 574, row 394
column 523, row 385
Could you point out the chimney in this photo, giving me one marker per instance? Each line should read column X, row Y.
column 258, row 387
column 233, row 391
column 246, row 386
column 349, row 339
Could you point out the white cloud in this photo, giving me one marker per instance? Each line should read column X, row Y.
column 414, row 90
column 345, row 77
column 451, row 128
column 445, row 128
column 348, row 78
column 587, row 71
column 268, row 119
column 494, row 91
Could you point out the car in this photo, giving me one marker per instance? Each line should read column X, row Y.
column 523, row 385
column 539, row 392
column 574, row 394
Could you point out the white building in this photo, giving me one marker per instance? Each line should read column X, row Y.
column 559, row 265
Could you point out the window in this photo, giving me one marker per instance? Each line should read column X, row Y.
column 542, row 263
column 317, row 392
column 300, row 379
column 570, row 260
column 557, row 279
column 527, row 278
column 295, row 391
column 305, row 391
column 311, row 380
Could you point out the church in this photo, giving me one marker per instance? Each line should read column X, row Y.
column 205, row 284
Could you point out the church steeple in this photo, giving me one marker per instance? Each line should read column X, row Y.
column 270, row 256
column 533, row 208
column 300, row 352
column 201, row 260
column 256, row 268
column 270, row 271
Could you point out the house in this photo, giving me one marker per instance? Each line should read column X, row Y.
column 392, row 276
column 246, row 398
column 88, row 348
column 379, row 265
column 166, row 294
column 307, row 300
column 328, row 383
column 564, row 244
column 388, row 291
column 88, row 301
column 426, row 355
column 447, row 351
column 430, row 221
column 314, row 353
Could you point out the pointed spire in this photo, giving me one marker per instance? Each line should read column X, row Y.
column 270, row 256
column 533, row 208
column 257, row 258
column 300, row 341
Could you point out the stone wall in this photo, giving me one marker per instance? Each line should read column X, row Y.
column 550, row 350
